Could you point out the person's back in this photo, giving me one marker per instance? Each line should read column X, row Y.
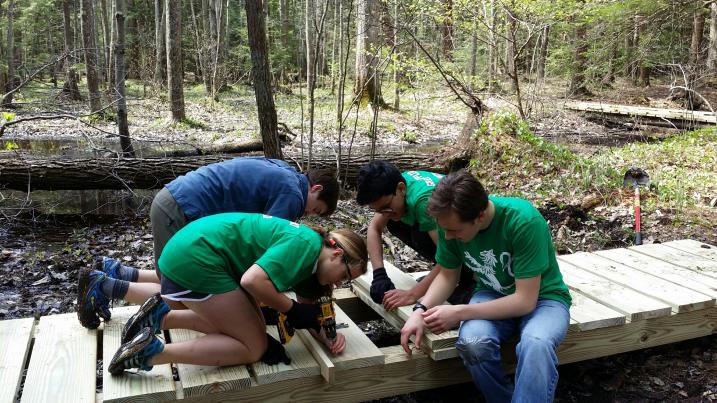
column 242, row 184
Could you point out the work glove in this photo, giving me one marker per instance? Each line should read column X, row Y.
column 304, row 316
column 380, row 284
column 271, row 315
column 275, row 352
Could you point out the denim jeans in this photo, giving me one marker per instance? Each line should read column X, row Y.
column 536, row 375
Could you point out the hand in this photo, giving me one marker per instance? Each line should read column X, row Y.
column 395, row 298
column 271, row 315
column 303, row 316
column 337, row 346
column 275, row 352
column 441, row 318
column 414, row 326
column 380, row 284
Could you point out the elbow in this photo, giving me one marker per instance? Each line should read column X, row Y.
column 528, row 306
column 247, row 282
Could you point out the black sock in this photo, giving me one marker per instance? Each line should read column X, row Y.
column 127, row 273
column 114, row 288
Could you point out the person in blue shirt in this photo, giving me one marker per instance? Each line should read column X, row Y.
column 244, row 184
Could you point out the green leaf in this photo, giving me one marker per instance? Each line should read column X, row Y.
column 8, row 116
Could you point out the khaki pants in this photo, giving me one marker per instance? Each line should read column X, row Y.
column 167, row 218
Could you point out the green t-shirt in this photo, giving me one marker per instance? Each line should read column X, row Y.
column 517, row 244
column 419, row 186
column 210, row 255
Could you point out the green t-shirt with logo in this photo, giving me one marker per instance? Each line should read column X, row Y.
column 517, row 244
column 419, row 186
column 210, row 255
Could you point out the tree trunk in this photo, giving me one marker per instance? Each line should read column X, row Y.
column 218, row 47
column 160, row 27
column 397, row 61
column 153, row 173
column 175, row 68
column 580, row 60
column 125, row 141
column 447, row 29
column 609, row 77
column 367, row 85
column 70, row 88
column 474, row 47
column 256, row 30
column 543, row 55
column 712, row 46
column 10, row 83
column 284, row 18
column 88, row 33
column 312, row 44
column 492, row 46
column 107, row 32
column 698, row 27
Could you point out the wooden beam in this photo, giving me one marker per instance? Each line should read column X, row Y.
column 399, row 374
column 15, row 338
column 302, row 363
column 200, row 380
column 681, row 299
column 695, row 247
column 635, row 305
column 630, row 110
column 63, row 365
column 700, row 264
column 157, row 384
column 668, row 271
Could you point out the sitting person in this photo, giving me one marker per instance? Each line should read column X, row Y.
column 520, row 290
column 245, row 184
column 216, row 271
column 399, row 202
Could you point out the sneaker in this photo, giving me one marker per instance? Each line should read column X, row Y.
column 109, row 266
column 136, row 353
column 92, row 302
column 149, row 315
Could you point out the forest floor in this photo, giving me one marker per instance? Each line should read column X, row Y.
column 571, row 169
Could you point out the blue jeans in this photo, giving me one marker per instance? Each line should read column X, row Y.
column 536, row 375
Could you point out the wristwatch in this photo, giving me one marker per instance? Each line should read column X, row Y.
column 420, row 306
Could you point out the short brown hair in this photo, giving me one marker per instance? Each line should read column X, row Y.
column 330, row 192
column 461, row 193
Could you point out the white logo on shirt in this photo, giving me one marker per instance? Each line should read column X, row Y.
column 487, row 269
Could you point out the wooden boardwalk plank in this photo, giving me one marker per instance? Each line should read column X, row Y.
column 588, row 314
column 679, row 257
column 631, row 110
column 15, row 337
column 668, row 271
column 63, row 365
column 199, row 380
column 302, row 363
column 360, row 350
column 696, row 247
column 622, row 299
column 157, row 384
column 680, row 298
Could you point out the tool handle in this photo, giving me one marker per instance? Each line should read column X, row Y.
column 638, row 234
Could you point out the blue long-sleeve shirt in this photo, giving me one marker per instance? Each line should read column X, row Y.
column 245, row 184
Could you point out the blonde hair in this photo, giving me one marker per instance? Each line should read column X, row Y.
column 353, row 245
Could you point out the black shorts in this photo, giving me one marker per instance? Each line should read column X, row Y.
column 176, row 292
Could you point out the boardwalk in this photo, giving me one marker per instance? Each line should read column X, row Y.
column 624, row 299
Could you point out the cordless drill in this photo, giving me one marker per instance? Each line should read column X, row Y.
column 326, row 318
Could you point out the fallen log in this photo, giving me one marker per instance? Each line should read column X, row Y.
column 680, row 118
column 152, row 173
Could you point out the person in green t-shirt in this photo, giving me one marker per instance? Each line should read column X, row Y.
column 399, row 202
column 216, row 271
column 506, row 243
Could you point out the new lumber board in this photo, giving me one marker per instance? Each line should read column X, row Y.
column 679, row 257
column 681, row 299
column 631, row 110
column 200, row 380
column 157, row 384
column 63, row 364
column 668, row 271
column 15, row 337
column 399, row 374
column 635, row 305
column 302, row 363
column 696, row 247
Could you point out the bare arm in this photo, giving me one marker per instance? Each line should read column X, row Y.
column 257, row 283
column 374, row 242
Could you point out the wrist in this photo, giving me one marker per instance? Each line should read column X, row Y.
column 420, row 307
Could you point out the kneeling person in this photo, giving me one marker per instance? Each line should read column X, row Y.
column 399, row 202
